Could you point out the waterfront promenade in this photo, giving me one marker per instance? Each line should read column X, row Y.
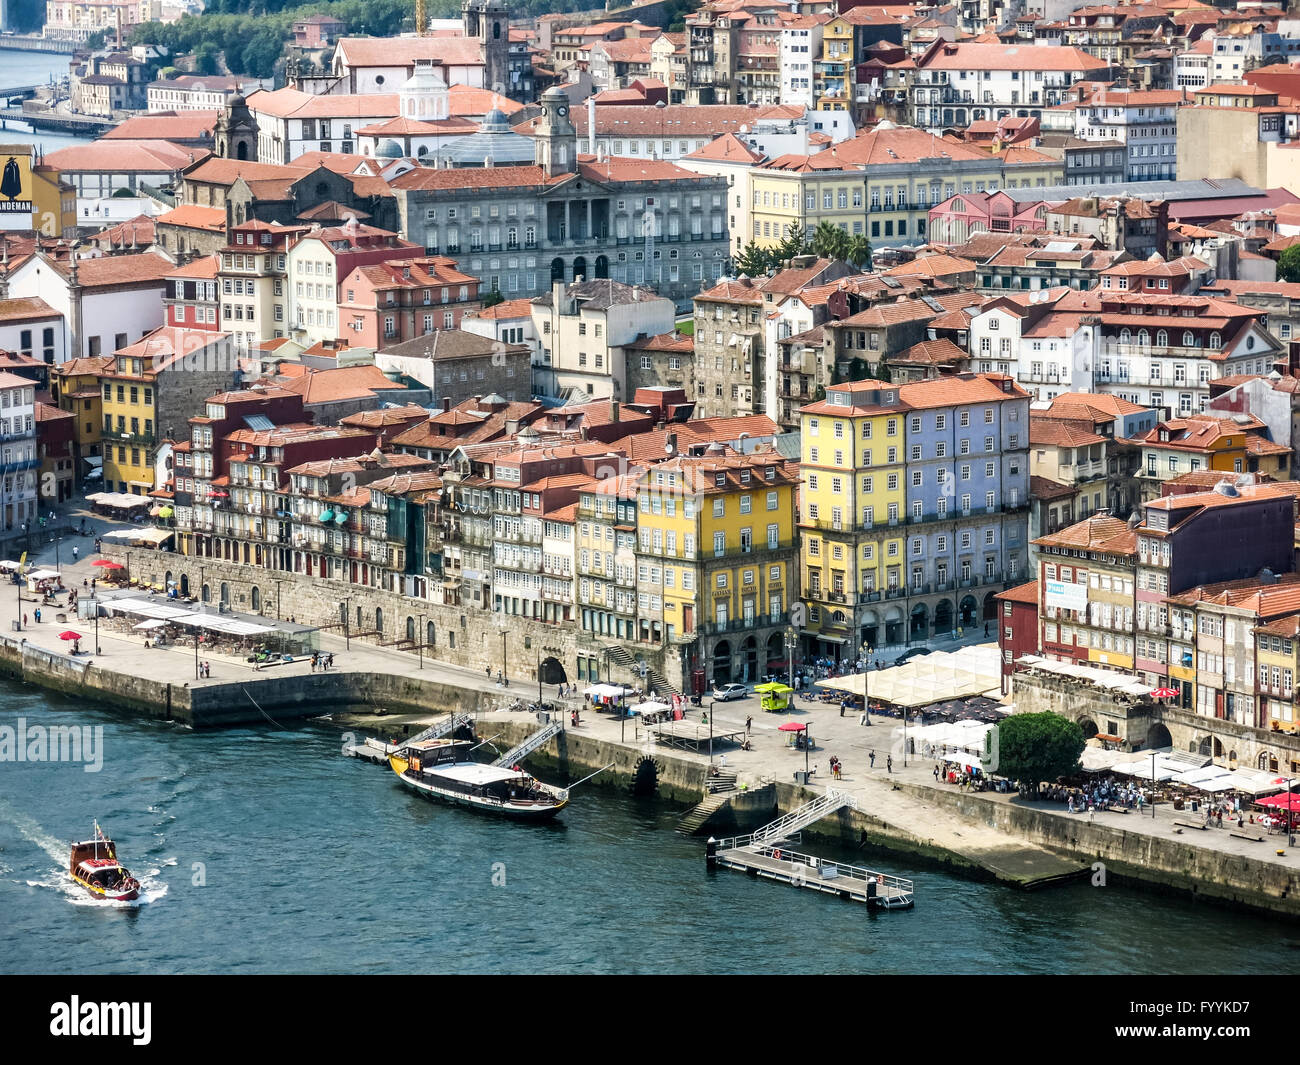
column 907, row 802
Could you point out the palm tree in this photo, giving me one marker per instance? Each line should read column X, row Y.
column 859, row 253
column 830, row 241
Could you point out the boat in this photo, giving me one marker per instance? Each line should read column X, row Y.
column 95, row 867
column 442, row 769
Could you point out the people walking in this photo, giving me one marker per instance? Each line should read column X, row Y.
column 749, row 724
column 75, row 552
column 37, row 613
column 889, row 763
column 871, row 757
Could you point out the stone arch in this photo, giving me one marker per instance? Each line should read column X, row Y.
column 553, row 671
column 379, row 620
column 749, row 660
column 205, row 594
column 1158, row 736
column 255, row 598
column 185, row 584
column 225, row 594
column 645, row 777
column 410, row 628
column 1232, row 759
column 722, row 663
column 1205, row 747
column 943, row 616
column 580, row 267
column 602, row 266
column 557, row 269
column 1266, row 761
column 990, row 607
column 430, row 636
column 919, row 623
column 774, row 656
column 967, row 612
column 1089, row 727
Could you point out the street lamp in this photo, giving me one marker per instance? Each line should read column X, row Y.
column 347, row 622
column 278, row 581
column 1153, row 785
column 419, row 637
column 866, row 686
column 791, row 639
column 58, row 542
column 1290, row 813
column 503, row 628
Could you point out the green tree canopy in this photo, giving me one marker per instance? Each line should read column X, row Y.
column 1288, row 264
column 831, row 242
column 1033, row 748
column 207, row 59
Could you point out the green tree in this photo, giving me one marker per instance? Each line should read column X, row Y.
column 1033, row 748
column 493, row 298
column 1288, row 264
column 259, row 57
column 830, row 241
column 207, row 59
column 859, row 252
column 793, row 243
column 753, row 261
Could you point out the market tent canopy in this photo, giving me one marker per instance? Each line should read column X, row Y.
column 43, row 575
column 152, row 623
column 119, row 500
column 147, row 536
column 932, row 678
column 606, row 691
column 773, row 688
column 651, row 707
column 791, row 726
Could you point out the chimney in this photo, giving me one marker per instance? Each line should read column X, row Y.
column 613, row 409
column 557, row 296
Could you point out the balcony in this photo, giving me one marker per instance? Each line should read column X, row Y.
column 118, row 436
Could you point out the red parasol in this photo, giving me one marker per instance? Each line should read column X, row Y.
column 106, row 563
column 1166, row 693
column 69, row 635
column 791, row 726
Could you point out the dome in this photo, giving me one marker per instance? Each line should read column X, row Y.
column 389, row 149
column 885, row 124
column 495, row 120
column 236, row 101
column 1226, row 488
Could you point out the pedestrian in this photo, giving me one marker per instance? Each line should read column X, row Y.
column 872, row 757
column 936, row 772
column 843, row 703
column 986, row 628
column 24, row 621
column 889, row 763
column 704, row 717
column 37, row 612
column 74, row 553
column 749, row 724
column 488, row 671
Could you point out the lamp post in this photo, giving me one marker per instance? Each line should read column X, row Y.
column 58, row 542
column 1153, row 785
column 712, row 704
column 503, row 628
column 419, row 636
column 196, row 652
column 866, row 686
column 96, row 602
column 1290, row 813
column 278, row 581
column 791, row 645
column 347, row 622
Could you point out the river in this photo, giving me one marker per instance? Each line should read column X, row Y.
column 265, row 850
column 33, row 68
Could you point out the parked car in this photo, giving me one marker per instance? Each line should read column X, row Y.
column 906, row 656
column 730, row 691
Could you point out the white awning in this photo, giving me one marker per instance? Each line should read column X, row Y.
column 93, row 460
column 153, row 623
column 144, row 536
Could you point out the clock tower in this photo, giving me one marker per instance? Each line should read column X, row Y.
column 557, row 140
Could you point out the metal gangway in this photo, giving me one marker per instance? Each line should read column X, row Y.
column 803, row 816
column 434, row 732
column 373, row 750
column 536, row 740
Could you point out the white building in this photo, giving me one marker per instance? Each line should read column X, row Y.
column 800, row 48
column 32, row 327
column 1145, row 124
column 1192, row 67
column 191, row 92
column 583, row 329
column 382, row 64
column 18, row 461
column 105, row 303
column 964, row 83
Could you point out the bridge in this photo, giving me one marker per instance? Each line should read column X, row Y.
column 56, row 122
column 24, row 92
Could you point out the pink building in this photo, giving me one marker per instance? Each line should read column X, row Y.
column 960, row 217
column 383, row 304
column 191, row 297
column 317, row 31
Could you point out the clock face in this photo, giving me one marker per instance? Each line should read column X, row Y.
column 561, row 111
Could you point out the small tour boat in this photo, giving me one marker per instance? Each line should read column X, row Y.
column 95, row 867
column 442, row 769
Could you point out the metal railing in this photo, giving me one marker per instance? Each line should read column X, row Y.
column 863, row 875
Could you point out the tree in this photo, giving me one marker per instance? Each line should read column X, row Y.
column 493, row 298
column 1288, row 264
column 1033, row 748
column 753, row 261
column 259, row 58
column 830, row 241
column 207, row 59
column 793, row 243
column 859, row 252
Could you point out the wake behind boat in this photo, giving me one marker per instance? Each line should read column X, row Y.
column 442, row 769
column 94, row 865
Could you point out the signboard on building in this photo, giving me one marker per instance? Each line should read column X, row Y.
column 17, row 194
column 1066, row 595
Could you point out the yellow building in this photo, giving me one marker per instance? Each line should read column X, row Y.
column 75, row 387
column 41, row 199
column 715, row 560
column 833, row 82
column 807, row 189
column 1277, row 655
column 852, row 506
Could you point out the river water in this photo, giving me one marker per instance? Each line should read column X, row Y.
column 265, row 850
column 34, row 68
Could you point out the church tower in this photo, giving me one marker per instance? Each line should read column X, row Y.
column 557, row 140
column 488, row 22
column 236, row 132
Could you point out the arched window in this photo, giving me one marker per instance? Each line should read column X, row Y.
column 1125, row 337
column 430, row 637
column 1189, row 341
column 1162, row 339
column 1144, row 338
column 410, row 627
column 379, row 620
column 1216, row 341
column 256, row 599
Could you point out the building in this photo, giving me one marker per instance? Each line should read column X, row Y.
column 30, row 326
column 1234, row 443
column 1143, row 125
column 317, row 31
column 253, row 281
column 955, row 84
column 319, row 261
column 191, row 92
column 1017, row 627
column 19, row 501
column 383, row 304
column 79, row 19
column 584, row 328
column 55, row 430
column 456, row 366
column 41, row 200
column 75, row 387
column 914, row 509
column 518, row 228
column 150, row 392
